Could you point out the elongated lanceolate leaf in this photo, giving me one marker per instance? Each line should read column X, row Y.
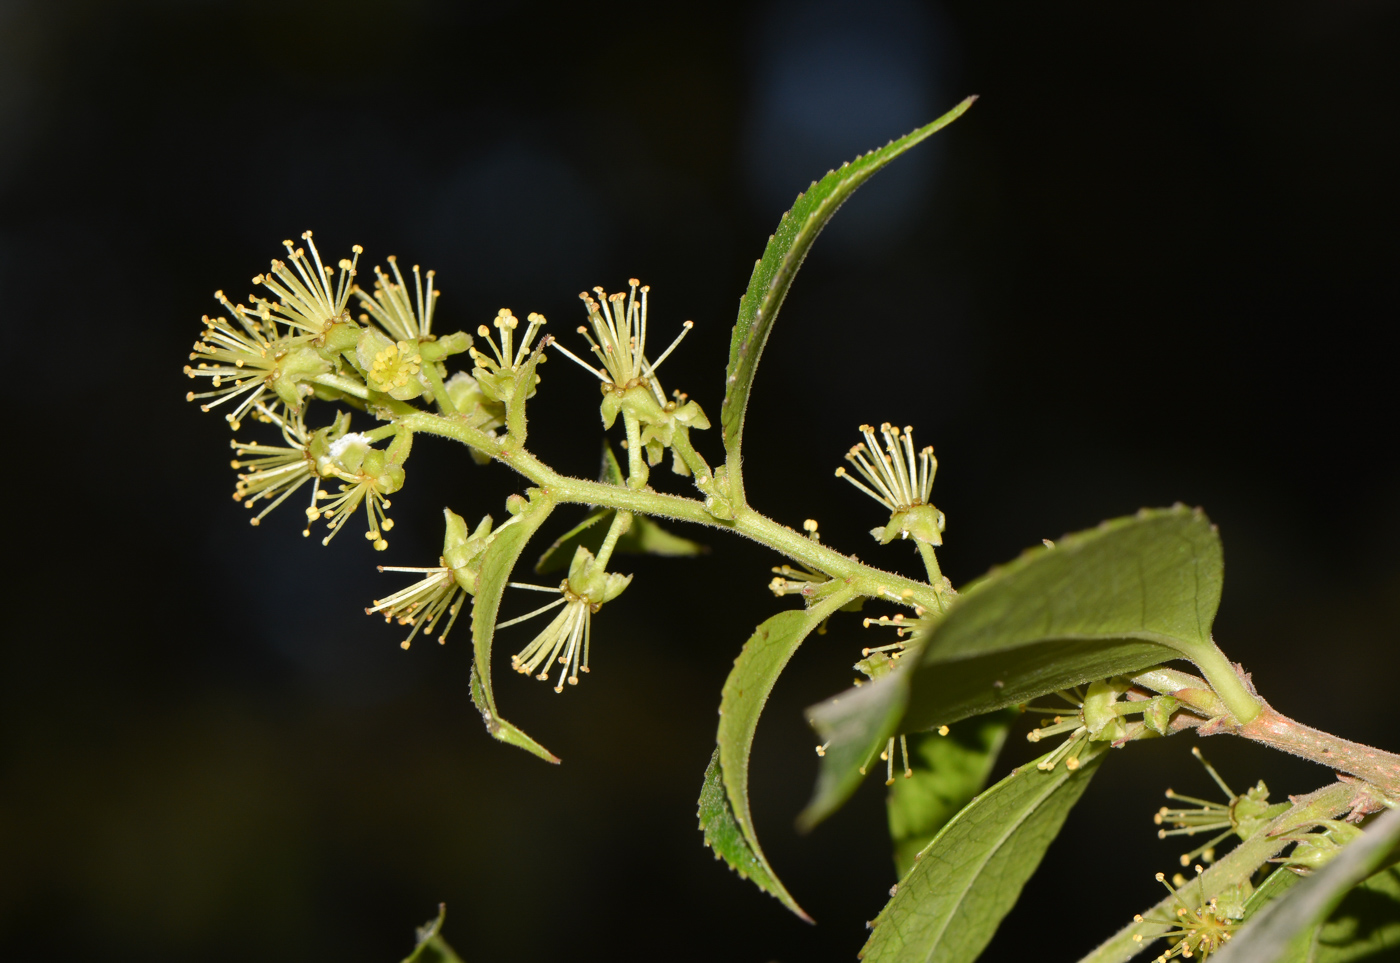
column 1109, row 601
column 1112, row 600
column 1284, row 930
column 774, row 272
column 496, row 564
column 947, row 772
column 949, row 906
column 854, row 726
column 723, row 835
column 757, row 668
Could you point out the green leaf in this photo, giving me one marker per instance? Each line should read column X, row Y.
column 645, row 537
column 949, row 906
column 431, row 947
column 723, row 835
column 774, row 272
column 507, row 543
column 854, row 726
column 756, row 669
column 1113, row 600
column 1285, row 929
column 1365, row 924
column 948, row 771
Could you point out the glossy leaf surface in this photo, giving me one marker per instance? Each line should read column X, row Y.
column 948, row 771
column 496, row 564
column 774, row 272
column 854, row 726
column 949, row 906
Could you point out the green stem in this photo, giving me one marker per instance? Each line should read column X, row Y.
column 1220, row 673
column 621, row 522
column 864, row 579
column 1228, row 872
column 636, row 471
column 1273, row 729
column 935, row 574
column 440, row 396
column 344, row 385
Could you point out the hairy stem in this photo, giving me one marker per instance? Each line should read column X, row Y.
column 1380, row 768
column 863, row 579
column 621, row 522
column 1230, row 871
column 636, row 472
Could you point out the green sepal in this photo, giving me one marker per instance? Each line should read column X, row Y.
column 444, row 346
column 297, row 366
column 922, row 523
column 610, row 408
column 496, row 564
column 1158, row 714
column 474, row 408
column 949, row 905
column 462, row 551
column 338, row 337
column 723, row 835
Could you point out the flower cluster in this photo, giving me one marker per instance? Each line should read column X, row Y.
column 617, row 338
column 269, row 358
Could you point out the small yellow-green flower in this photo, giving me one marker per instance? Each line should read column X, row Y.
column 404, row 318
column 306, row 298
column 567, row 638
column 250, row 360
column 368, row 475
column 495, row 373
column 619, row 340
column 445, row 586
column 901, row 481
column 391, row 367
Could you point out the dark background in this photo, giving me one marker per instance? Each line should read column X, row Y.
column 1156, row 262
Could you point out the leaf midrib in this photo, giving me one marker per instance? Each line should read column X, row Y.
column 948, row 917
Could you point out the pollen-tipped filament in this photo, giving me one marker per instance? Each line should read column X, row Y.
column 402, row 317
column 1242, row 815
column 618, row 340
column 1198, row 927
column 899, row 479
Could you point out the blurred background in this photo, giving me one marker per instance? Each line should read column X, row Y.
column 1156, row 262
